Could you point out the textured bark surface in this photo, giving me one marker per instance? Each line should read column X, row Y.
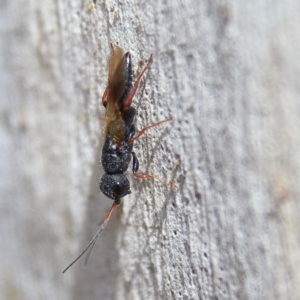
column 229, row 75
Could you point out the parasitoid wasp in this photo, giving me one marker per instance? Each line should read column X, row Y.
column 119, row 134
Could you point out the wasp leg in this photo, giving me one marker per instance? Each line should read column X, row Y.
column 131, row 139
column 135, row 163
column 135, row 167
column 136, row 84
column 131, row 132
column 104, row 97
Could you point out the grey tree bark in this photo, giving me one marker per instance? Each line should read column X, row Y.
column 228, row 73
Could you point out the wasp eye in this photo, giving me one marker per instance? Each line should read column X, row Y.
column 119, row 189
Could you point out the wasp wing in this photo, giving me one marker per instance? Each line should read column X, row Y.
column 119, row 86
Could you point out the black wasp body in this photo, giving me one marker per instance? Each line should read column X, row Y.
column 119, row 130
column 115, row 161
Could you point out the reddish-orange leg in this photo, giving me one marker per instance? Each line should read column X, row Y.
column 148, row 176
column 130, row 140
column 136, row 84
column 104, row 97
column 135, row 167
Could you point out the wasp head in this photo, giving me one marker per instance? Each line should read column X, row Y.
column 115, row 186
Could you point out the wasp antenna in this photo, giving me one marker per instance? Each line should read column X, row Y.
column 150, row 59
column 92, row 243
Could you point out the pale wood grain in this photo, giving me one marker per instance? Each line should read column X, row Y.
column 228, row 74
